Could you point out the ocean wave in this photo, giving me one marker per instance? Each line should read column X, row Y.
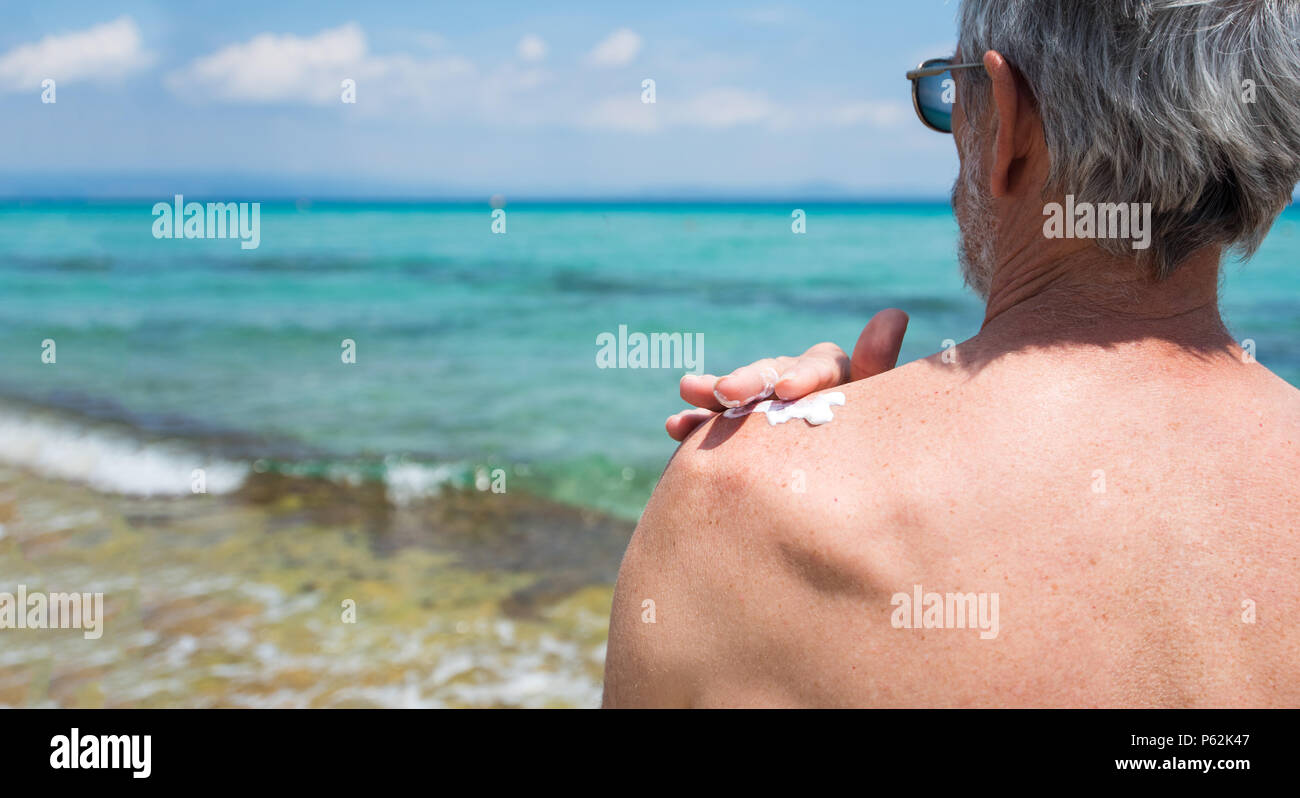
column 109, row 460
column 116, row 459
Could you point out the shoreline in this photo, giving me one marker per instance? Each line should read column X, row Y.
column 464, row 599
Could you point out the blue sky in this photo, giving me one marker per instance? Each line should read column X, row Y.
column 471, row 99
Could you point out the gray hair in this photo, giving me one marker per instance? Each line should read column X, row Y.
column 1146, row 101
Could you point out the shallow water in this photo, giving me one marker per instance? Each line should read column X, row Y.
column 470, row 481
column 474, row 351
column 238, row 601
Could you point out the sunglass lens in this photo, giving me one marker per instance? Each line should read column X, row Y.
column 934, row 98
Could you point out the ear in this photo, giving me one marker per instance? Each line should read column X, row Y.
column 1014, row 110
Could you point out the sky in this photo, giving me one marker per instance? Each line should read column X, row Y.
column 471, row 99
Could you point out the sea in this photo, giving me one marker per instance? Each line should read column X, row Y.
column 407, row 401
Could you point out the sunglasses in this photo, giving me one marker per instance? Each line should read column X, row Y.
column 934, row 91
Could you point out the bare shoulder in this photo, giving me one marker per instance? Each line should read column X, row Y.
column 682, row 616
column 764, row 569
column 779, row 480
column 752, row 527
column 880, row 416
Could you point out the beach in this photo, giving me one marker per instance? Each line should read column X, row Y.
column 199, row 448
column 238, row 601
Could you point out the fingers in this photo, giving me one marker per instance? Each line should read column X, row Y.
column 823, row 366
column 697, row 389
column 877, row 349
column 755, row 381
column 684, row 423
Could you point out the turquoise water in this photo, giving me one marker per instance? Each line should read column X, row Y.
column 474, row 351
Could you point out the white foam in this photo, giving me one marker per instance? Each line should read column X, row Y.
column 405, row 483
column 108, row 461
column 815, row 409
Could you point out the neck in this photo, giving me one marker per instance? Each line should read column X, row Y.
column 1087, row 296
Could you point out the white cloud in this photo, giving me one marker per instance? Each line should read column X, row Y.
column 519, row 92
column 101, row 53
column 271, row 68
column 615, row 50
column 531, row 48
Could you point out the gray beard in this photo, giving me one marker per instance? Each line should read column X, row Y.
column 976, row 221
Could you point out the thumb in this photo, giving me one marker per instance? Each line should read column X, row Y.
column 877, row 349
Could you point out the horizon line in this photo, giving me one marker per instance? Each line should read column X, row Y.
column 540, row 199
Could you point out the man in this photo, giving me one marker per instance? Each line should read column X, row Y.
column 1093, row 501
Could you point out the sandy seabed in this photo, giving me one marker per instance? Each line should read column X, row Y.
column 468, row 600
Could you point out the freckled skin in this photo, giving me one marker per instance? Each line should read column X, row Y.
column 1101, row 457
column 1123, row 501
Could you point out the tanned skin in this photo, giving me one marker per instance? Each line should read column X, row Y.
column 1102, row 455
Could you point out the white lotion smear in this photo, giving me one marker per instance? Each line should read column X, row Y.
column 816, row 410
column 769, row 376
